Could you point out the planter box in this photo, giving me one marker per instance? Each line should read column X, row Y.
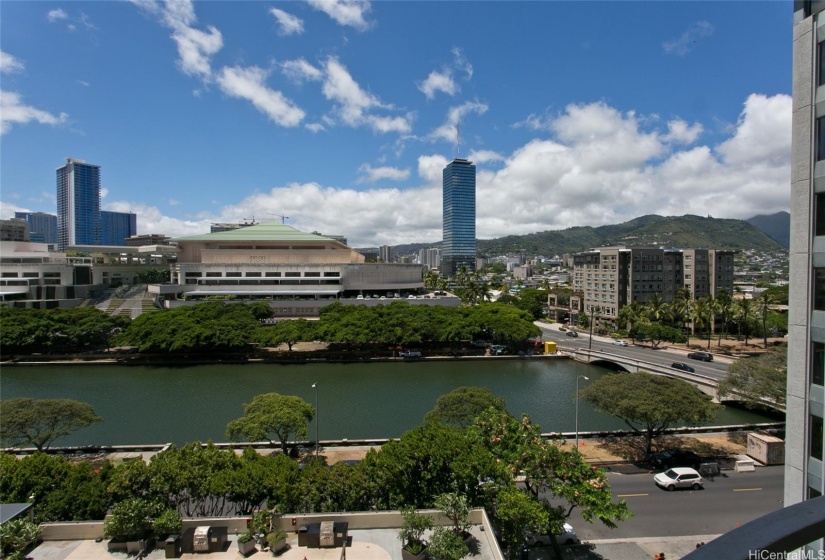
column 278, row 547
column 116, row 546
column 407, row 555
column 246, row 548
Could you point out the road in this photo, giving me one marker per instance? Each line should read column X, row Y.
column 716, row 369
column 725, row 503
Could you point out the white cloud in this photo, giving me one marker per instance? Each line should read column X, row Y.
column 372, row 174
column 195, row 47
column 681, row 132
column 300, row 70
column 104, row 192
column 288, row 23
column 484, row 156
column 353, row 104
column 448, row 131
column 345, row 12
column 438, row 81
column 461, row 63
column 249, row 83
column 10, row 64
column 763, row 132
column 83, row 83
column 13, row 111
column 174, row 202
column 314, row 127
column 689, row 38
column 56, row 15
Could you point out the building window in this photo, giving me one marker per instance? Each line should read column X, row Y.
column 818, row 364
column 819, row 289
column 820, row 138
column 821, row 56
column 813, row 493
column 816, row 442
column 233, row 274
column 819, row 217
column 293, row 274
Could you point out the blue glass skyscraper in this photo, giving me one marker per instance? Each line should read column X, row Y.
column 42, row 226
column 117, row 227
column 459, row 219
column 78, row 204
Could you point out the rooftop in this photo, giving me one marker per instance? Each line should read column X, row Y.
column 270, row 231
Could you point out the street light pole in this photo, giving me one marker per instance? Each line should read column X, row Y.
column 577, row 408
column 315, row 386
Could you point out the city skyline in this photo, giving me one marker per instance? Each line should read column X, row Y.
column 574, row 113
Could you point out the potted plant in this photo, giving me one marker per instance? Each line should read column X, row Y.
column 16, row 536
column 260, row 525
column 447, row 545
column 131, row 523
column 454, row 506
column 276, row 541
column 246, row 544
column 168, row 523
column 413, row 525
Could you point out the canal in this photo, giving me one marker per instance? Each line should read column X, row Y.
column 147, row 404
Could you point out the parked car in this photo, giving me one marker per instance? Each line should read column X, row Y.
column 574, row 334
column 619, row 343
column 681, row 366
column 567, row 536
column 704, row 356
column 679, row 477
column 675, row 458
column 409, row 354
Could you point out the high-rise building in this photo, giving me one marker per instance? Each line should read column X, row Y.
column 458, row 249
column 805, row 442
column 14, row 229
column 385, row 253
column 42, row 226
column 78, row 204
column 117, row 227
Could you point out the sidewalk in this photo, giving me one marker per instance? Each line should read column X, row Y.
column 644, row 548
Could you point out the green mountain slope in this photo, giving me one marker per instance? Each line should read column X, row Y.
column 668, row 232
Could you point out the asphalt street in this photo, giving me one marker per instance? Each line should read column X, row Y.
column 725, row 503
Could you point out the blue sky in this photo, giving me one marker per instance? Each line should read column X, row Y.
column 341, row 115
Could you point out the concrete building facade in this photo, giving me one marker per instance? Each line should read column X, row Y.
column 805, row 436
column 42, row 226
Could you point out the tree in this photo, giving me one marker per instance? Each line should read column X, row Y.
column 39, row 422
column 656, row 309
column 16, row 535
column 272, row 414
column 565, row 476
column 657, row 333
column 758, row 381
column 461, row 406
column 763, row 306
column 744, row 314
column 446, row 545
column 516, row 510
column 724, row 302
column 649, row 404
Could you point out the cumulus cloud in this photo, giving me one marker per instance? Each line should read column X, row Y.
column 484, row 156
column 681, row 132
column 300, row 71
column 685, row 43
column 350, row 13
column 448, row 131
column 762, row 133
column 249, row 83
column 10, row 64
column 288, row 24
column 13, row 111
column 353, row 105
column 372, row 174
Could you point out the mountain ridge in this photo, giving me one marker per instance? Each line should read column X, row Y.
column 670, row 232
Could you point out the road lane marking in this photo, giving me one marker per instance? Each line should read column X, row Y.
column 747, row 489
column 630, row 495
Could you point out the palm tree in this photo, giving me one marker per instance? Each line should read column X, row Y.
column 763, row 303
column 724, row 302
column 705, row 314
column 629, row 316
column 683, row 308
column 657, row 309
column 744, row 314
column 431, row 279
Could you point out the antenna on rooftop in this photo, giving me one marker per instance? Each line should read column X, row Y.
column 283, row 218
column 245, row 220
column 457, row 139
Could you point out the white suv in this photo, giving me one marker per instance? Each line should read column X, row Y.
column 679, row 477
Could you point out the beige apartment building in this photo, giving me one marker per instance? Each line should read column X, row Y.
column 608, row 278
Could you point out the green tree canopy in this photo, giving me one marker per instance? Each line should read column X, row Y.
column 649, row 404
column 758, row 381
column 271, row 415
column 39, row 422
column 461, row 406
